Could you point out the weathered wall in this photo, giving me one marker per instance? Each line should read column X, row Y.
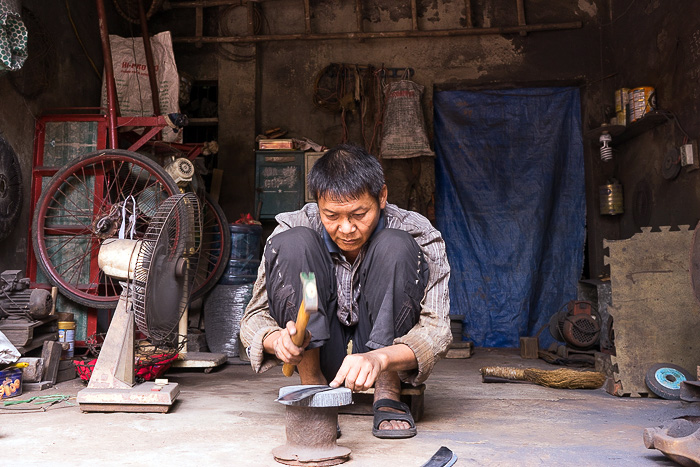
column 653, row 45
column 275, row 88
column 286, row 70
column 57, row 74
column 469, row 60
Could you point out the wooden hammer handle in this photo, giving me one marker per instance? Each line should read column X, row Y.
column 298, row 338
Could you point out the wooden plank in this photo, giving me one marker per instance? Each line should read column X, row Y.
column 51, row 353
column 529, row 347
column 37, row 341
column 34, row 372
column 460, row 349
column 654, row 309
column 133, row 408
column 21, row 332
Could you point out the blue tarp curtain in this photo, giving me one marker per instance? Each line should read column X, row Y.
column 510, row 203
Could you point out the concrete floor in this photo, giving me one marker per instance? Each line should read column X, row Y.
column 229, row 417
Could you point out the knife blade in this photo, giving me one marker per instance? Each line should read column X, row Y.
column 303, row 393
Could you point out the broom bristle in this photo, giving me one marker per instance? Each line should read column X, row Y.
column 564, row 378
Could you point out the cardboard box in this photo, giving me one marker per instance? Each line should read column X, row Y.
column 10, row 383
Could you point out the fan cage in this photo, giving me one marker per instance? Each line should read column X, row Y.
column 176, row 228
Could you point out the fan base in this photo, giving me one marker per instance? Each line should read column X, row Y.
column 145, row 397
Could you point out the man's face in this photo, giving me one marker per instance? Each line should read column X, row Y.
column 350, row 223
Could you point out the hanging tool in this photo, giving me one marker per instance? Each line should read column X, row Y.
column 309, row 304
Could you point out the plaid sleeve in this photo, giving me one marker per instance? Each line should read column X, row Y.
column 431, row 336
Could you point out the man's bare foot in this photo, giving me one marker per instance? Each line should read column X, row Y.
column 310, row 368
column 388, row 386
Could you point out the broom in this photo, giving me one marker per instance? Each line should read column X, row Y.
column 561, row 378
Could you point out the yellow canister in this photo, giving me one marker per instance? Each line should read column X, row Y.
column 642, row 100
column 621, row 99
column 611, row 202
column 66, row 334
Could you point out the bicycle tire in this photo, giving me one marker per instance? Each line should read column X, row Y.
column 70, row 229
column 215, row 247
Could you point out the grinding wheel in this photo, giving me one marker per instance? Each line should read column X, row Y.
column 10, row 189
column 664, row 380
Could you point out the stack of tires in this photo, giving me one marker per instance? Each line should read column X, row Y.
column 226, row 303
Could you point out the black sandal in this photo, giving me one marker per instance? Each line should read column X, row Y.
column 382, row 415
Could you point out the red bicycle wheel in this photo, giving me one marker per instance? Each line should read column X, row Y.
column 215, row 247
column 81, row 206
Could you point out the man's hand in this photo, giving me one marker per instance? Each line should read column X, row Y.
column 280, row 343
column 359, row 371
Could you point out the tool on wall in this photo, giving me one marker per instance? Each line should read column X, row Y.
column 159, row 271
column 309, row 304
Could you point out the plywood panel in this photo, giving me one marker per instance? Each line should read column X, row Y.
column 655, row 316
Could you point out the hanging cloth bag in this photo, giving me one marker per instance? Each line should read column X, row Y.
column 404, row 132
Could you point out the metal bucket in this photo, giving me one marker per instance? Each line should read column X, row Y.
column 611, row 202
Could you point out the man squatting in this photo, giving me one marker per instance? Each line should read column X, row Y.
column 381, row 275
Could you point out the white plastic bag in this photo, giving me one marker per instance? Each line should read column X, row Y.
column 8, row 352
column 404, row 132
column 131, row 78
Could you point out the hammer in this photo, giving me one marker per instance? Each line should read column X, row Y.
column 309, row 304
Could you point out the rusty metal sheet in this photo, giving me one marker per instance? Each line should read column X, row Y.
column 655, row 313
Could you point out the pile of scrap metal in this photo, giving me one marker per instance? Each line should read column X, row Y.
column 583, row 332
column 19, row 302
column 25, row 313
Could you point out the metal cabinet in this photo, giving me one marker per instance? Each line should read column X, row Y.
column 279, row 182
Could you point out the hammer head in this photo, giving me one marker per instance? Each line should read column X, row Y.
column 308, row 285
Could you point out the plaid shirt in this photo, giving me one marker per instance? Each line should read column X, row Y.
column 428, row 339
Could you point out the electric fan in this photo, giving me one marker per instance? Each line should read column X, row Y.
column 159, row 270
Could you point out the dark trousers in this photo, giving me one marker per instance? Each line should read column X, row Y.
column 392, row 280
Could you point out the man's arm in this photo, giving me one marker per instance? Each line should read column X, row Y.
column 360, row 371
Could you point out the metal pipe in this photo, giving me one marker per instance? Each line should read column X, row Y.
column 251, row 19
column 150, row 65
column 414, row 16
column 468, row 13
column 358, row 15
column 307, row 17
column 198, row 23
column 386, row 35
column 200, row 3
column 521, row 14
column 112, row 100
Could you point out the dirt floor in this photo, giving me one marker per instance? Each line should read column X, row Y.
column 230, row 417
